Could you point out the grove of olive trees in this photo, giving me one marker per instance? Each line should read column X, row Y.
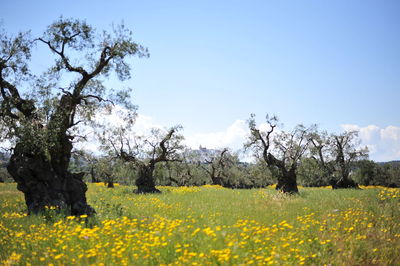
column 41, row 115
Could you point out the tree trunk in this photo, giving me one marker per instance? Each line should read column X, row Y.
column 92, row 175
column 43, row 176
column 43, row 184
column 344, row 169
column 109, row 181
column 216, row 180
column 287, row 181
column 344, row 182
column 145, row 182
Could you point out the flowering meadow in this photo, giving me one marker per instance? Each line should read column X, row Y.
column 207, row 225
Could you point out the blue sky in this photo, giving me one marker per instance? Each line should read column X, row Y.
column 213, row 63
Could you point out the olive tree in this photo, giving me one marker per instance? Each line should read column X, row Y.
column 40, row 114
column 215, row 165
column 321, row 153
column 282, row 153
column 106, row 170
column 336, row 155
column 144, row 152
column 91, row 162
column 345, row 150
column 184, row 172
column 310, row 174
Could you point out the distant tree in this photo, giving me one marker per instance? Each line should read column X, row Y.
column 182, row 173
column 144, row 152
column 92, row 162
column 282, row 159
column 393, row 170
column 4, row 175
column 216, row 166
column 369, row 173
column 310, row 174
column 124, row 173
column 190, row 170
column 256, row 174
column 346, row 151
column 39, row 115
column 366, row 173
column 321, row 152
column 336, row 155
column 394, row 174
column 200, row 167
column 240, row 175
column 77, row 162
column 105, row 167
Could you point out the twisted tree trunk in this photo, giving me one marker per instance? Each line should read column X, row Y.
column 344, row 168
column 93, row 175
column 145, row 182
column 344, row 182
column 44, row 184
column 287, row 181
column 215, row 176
column 42, row 174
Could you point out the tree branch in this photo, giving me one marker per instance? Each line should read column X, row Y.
column 26, row 107
column 65, row 60
column 164, row 151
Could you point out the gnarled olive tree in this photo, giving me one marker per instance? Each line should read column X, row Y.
column 282, row 153
column 336, row 154
column 144, row 152
column 217, row 164
column 39, row 115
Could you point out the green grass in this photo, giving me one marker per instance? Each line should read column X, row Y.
column 208, row 225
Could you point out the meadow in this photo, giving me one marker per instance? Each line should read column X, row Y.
column 207, row 225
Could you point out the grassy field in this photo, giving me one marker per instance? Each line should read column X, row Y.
column 208, row 225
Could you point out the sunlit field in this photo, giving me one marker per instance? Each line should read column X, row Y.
column 208, row 225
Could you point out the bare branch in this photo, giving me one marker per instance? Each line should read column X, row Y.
column 65, row 60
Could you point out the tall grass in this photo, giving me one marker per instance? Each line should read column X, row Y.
column 208, row 225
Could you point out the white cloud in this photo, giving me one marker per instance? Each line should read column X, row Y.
column 233, row 137
column 383, row 143
column 142, row 126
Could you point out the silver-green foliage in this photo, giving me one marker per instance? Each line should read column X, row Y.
column 32, row 111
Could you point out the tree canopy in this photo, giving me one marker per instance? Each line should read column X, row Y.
column 40, row 111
